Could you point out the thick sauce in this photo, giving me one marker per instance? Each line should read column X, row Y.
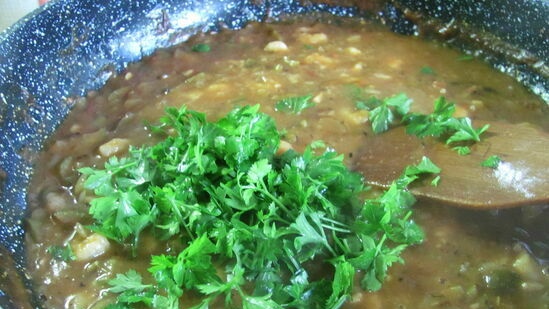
column 454, row 268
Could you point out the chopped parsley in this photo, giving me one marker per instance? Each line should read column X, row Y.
column 427, row 70
column 465, row 58
column 458, row 133
column 252, row 223
column 413, row 172
column 61, row 253
column 382, row 112
column 491, row 162
column 455, row 132
column 425, row 166
column 294, row 105
column 201, row 48
column 462, row 150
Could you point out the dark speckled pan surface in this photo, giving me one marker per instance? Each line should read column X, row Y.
column 68, row 47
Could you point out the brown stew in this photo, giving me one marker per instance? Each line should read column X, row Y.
column 455, row 267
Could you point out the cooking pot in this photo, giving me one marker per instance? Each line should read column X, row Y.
column 66, row 48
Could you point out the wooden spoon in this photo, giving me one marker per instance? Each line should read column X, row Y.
column 522, row 178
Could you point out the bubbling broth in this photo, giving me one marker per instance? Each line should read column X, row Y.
column 459, row 265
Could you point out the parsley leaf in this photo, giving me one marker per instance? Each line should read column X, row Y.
column 427, row 70
column 465, row 58
column 434, row 124
column 61, row 253
column 252, row 222
column 131, row 288
column 491, row 162
column 413, row 172
column 381, row 117
column 456, row 132
column 464, row 131
column 294, row 105
column 342, row 285
column 441, row 123
column 201, row 48
column 382, row 112
column 462, row 150
column 358, row 95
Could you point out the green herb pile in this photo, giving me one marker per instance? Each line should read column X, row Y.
column 256, row 226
